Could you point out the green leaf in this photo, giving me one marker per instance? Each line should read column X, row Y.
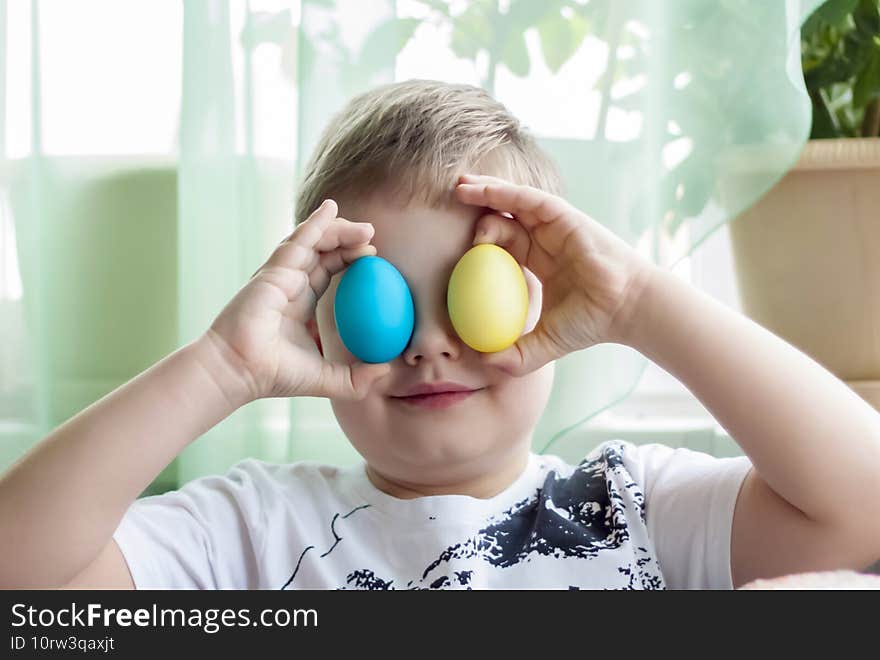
column 867, row 84
column 393, row 33
column 836, row 12
column 832, row 70
column 825, row 124
column 384, row 43
column 524, row 14
column 472, row 31
column 560, row 38
column 515, row 55
column 867, row 17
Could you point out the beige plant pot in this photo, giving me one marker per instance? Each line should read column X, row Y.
column 807, row 259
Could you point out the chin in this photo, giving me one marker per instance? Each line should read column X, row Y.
column 430, row 450
column 442, row 450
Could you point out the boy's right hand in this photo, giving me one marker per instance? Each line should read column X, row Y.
column 262, row 332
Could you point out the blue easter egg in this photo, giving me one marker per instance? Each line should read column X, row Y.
column 374, row 310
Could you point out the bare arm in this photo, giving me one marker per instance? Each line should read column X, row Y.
column 813, row 500
column 61, row 503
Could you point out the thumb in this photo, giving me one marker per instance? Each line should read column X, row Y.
column 530, row 352
column 343, row 381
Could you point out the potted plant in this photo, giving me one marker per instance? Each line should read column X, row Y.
column 807, row 256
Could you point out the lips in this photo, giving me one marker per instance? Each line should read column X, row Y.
column 436, row 388
column 436, row 396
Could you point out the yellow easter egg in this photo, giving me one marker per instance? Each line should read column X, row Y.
column 488, row 299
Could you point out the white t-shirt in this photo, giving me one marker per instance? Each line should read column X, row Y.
column 626, row 516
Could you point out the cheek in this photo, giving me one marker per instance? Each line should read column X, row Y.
column 522, row 400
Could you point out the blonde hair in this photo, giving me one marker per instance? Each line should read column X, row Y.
column 413, row 139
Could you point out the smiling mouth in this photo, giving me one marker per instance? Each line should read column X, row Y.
column 436, row 400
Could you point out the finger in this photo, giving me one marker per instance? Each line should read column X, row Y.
column 295, row 248
column 316, row 271
column 312, row 228
column 530, row 205
column 290, row 281
column 339, row 233
column 531, row 352
column 506, row 233
column 481, row 178
column 333, row 380
column 342, row 232
column 343, row 381
column 334, row 262
column 324, row 208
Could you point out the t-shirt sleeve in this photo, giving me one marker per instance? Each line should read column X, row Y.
column 690, row 499
column 206, row 535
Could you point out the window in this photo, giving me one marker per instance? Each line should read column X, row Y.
column 662, row 409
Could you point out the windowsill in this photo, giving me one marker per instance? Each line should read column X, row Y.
column 662, row 409
column 695, row 432
column 644, row 420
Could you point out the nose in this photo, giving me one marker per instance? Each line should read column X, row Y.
column 433, row 339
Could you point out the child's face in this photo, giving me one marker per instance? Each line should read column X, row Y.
column 421, row 441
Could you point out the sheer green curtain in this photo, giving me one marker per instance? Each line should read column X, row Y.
column 150, row 153
column 88, row 228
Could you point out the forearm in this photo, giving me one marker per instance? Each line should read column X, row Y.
column 814, row 441
column 60, row 504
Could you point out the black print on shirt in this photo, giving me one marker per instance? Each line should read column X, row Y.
column 336, row 540
column 579, row 516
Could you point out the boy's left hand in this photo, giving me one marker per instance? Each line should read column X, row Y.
column 591, row 278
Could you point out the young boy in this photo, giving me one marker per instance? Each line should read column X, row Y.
column 449, row 494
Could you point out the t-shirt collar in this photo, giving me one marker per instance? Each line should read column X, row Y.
column 439, row 508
